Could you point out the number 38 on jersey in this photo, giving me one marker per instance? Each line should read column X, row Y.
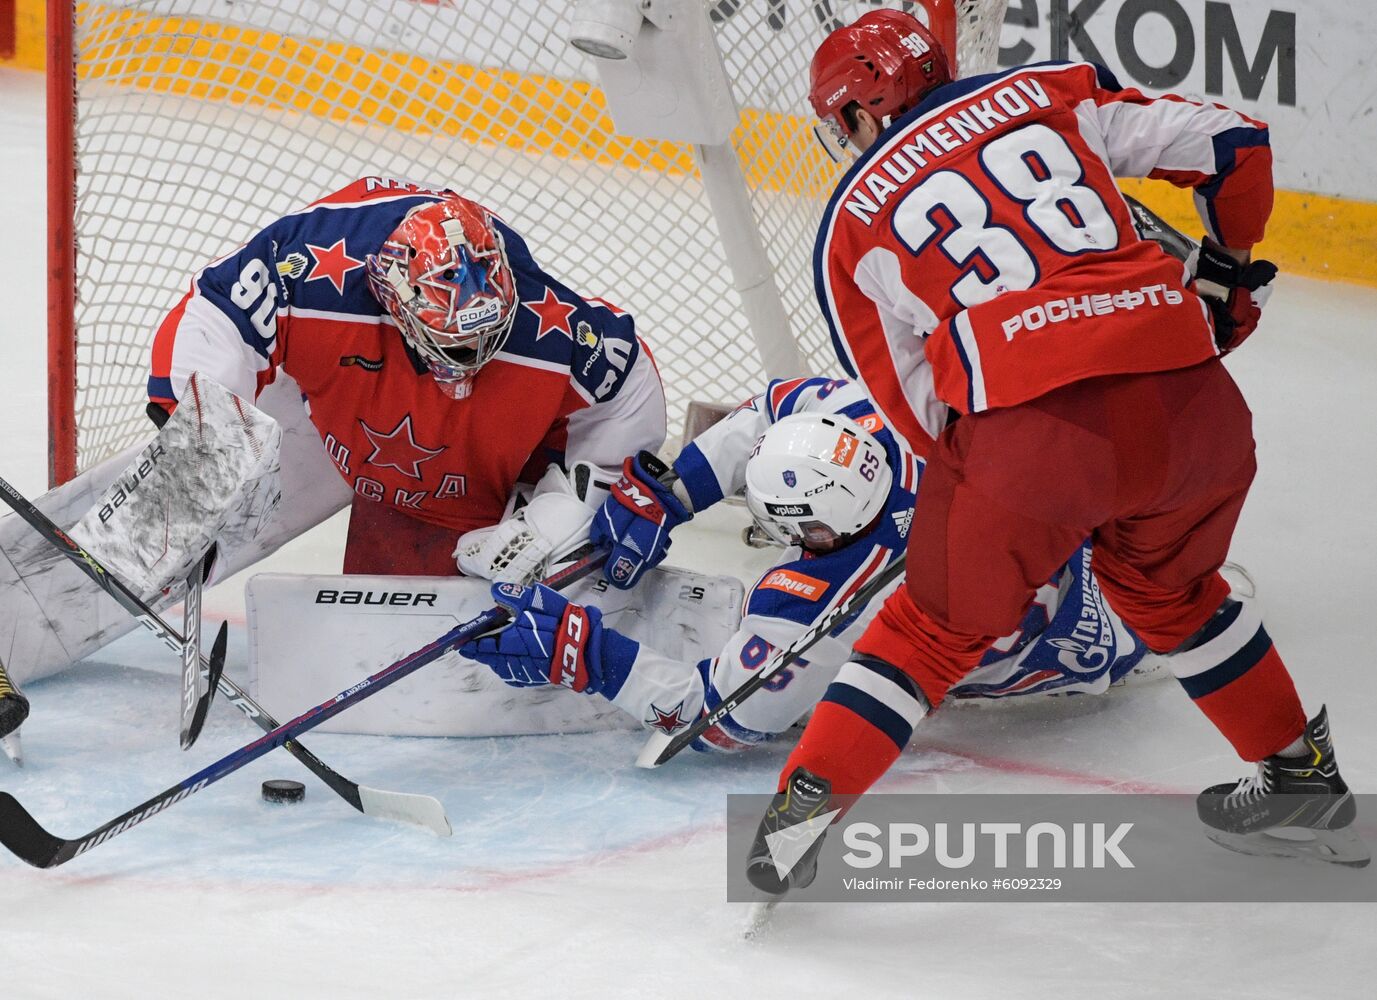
column 1035, row 169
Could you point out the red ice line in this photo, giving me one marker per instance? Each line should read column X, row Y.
column 488, row 880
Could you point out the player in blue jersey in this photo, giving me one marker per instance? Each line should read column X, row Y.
column 823, row 477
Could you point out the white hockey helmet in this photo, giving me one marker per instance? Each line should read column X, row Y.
column 816, row 479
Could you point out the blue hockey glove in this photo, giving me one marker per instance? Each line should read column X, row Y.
column 636, row 520
column 551, row 641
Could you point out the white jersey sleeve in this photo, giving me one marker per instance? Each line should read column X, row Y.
column 616, row 425
column 667, row 694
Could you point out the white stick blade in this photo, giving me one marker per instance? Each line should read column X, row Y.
column 758, row 919
column 654, row 746
column 418, row 810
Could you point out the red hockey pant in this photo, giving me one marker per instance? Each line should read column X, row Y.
column 386, row 542
column 1153, row 467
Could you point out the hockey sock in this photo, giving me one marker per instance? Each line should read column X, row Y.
column 1235, row 676
column 859, row 729
column 932, row 654
column 1296, row 748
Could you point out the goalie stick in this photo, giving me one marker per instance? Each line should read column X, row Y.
column 661, row 747
column 403, row 807
column 196, row 703
column 25, row 838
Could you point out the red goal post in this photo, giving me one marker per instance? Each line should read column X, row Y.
column 178, row 127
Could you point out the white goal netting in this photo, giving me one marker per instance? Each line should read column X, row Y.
column 199, row 121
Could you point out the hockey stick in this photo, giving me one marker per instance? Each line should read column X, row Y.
column 1152, row 226
column 23, row 836
column 404, row 807
column 661, row 747
column 213, row 677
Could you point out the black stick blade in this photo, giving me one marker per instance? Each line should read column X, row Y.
column 215, row 666
column 24, row 838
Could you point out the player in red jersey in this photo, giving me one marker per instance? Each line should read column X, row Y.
column 978, row 261
column 439, row 364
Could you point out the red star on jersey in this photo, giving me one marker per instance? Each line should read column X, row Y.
column 398, row 449
column 553, row 314
column 667, row 722
column 332, row 263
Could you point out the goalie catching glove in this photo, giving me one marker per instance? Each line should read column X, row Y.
column 552, row 641
column 523, row 547
column 636, row 520
column 1235, row 292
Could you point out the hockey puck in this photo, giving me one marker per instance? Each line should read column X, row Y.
column 282, row 790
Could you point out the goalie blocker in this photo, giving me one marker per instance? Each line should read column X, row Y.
column 51, row 615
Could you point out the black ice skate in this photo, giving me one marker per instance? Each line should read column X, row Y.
column 1292, row 807
column 14, row 709
column 784, row 854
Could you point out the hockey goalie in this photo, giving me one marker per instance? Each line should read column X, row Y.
column 393, row 348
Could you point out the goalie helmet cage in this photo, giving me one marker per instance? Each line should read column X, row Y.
column 176, row 128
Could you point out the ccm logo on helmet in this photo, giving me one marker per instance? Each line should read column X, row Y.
column 789, row 509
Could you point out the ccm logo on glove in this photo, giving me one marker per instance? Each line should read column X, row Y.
column 569, row 656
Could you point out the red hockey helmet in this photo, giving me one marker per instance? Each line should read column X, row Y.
column 443, row 276
column 885, row 61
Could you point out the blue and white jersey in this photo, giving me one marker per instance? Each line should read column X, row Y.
column 1070, row 640
column 788, row 599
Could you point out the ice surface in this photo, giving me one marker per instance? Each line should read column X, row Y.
column 572, row 874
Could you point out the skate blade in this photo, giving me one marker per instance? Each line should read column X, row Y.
column 1334, row 847
column 10, row 744
column 758, row 919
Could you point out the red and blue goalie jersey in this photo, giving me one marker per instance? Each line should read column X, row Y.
column 572, row 383
column 979, row 253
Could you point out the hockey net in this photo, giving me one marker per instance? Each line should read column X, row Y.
column 198, row 121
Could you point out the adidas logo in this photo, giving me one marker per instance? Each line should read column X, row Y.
column 902, row 520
